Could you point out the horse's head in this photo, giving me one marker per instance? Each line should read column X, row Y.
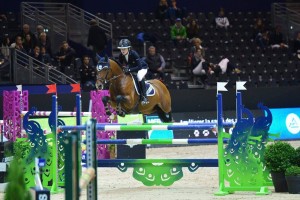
column 103, row 69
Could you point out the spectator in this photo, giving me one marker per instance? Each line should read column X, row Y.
column 4, row 66
column 45, row 57
column 18, row 44
column 224, row 66
column 28, row 44
column 36, row 53
column 263, row 40
column 87, row 73
column 25, row 31
column 192, row 29
column 297, row 45
column 65, row 56
column 198, row 65
column 173, row 11
column 162, row 10
column 196, row 45
column 39, row 30
column 97, row 39
column 221, row 20
column 258, row 28
column 178, row 32
column 5, row 47
column 276, row 39
column 156, row 63
column 3, row 18
column 260, row 34
column 43, row 42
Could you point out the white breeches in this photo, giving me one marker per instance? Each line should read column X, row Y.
column 141, row 74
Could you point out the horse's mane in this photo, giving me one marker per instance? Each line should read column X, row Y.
column 118, row 63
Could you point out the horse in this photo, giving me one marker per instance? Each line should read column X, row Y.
column 124, row 97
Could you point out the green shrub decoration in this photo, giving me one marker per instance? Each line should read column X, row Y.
column 297, row 159
column 279, row 156
column 293, row 171
column 21, row 148
column 16, row 188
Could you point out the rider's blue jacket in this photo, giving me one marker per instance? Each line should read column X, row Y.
column 135, row 63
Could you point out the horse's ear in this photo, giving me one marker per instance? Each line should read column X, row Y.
column 99, row 57
column 106, row 58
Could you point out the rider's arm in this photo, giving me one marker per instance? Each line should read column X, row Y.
column 140, row 63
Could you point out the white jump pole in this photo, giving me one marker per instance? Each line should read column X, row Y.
column 60, row 114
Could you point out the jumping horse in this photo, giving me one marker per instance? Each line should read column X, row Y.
column 124, row 96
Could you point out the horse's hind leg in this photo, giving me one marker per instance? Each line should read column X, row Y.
column 164, row 117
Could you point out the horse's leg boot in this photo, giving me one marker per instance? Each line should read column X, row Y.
column 143, row 92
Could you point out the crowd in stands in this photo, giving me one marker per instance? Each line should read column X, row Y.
column 205, row 47
column 37, row 44
column 231, row 41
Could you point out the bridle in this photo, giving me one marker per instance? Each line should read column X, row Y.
column 105, row 66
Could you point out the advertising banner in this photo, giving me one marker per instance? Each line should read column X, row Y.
column 286, row 122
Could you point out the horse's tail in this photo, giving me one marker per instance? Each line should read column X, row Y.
column 164, row 117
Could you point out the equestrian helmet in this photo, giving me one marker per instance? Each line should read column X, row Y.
column 124, row 44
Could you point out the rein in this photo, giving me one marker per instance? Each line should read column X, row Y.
column 114, row 77
column 111, row 79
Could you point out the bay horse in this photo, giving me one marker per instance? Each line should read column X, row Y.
column 124, row 97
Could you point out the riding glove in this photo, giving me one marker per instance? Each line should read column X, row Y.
column 126, row 70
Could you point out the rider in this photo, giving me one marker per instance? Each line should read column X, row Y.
column 132, row 62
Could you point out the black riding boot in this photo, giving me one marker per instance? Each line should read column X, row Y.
column 143, row 92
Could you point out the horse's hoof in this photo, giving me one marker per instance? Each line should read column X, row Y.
column 112, row 116
column 122, row 114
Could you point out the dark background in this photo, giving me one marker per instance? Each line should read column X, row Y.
column 104, row 6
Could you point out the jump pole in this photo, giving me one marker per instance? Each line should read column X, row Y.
column 60, row 114
column 158, row 141
column 54, row 188
column 220, row 144
column 139, row 127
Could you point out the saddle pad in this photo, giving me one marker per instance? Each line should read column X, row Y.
column 150, row 91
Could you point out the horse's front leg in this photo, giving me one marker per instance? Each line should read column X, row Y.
column 119, row 100
column 105, row 100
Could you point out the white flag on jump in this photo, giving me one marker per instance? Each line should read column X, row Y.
column 221, row 86
column 19, row 88
column 240, row 85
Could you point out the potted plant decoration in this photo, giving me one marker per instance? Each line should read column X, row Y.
column 292, row 176
column 278, row 157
